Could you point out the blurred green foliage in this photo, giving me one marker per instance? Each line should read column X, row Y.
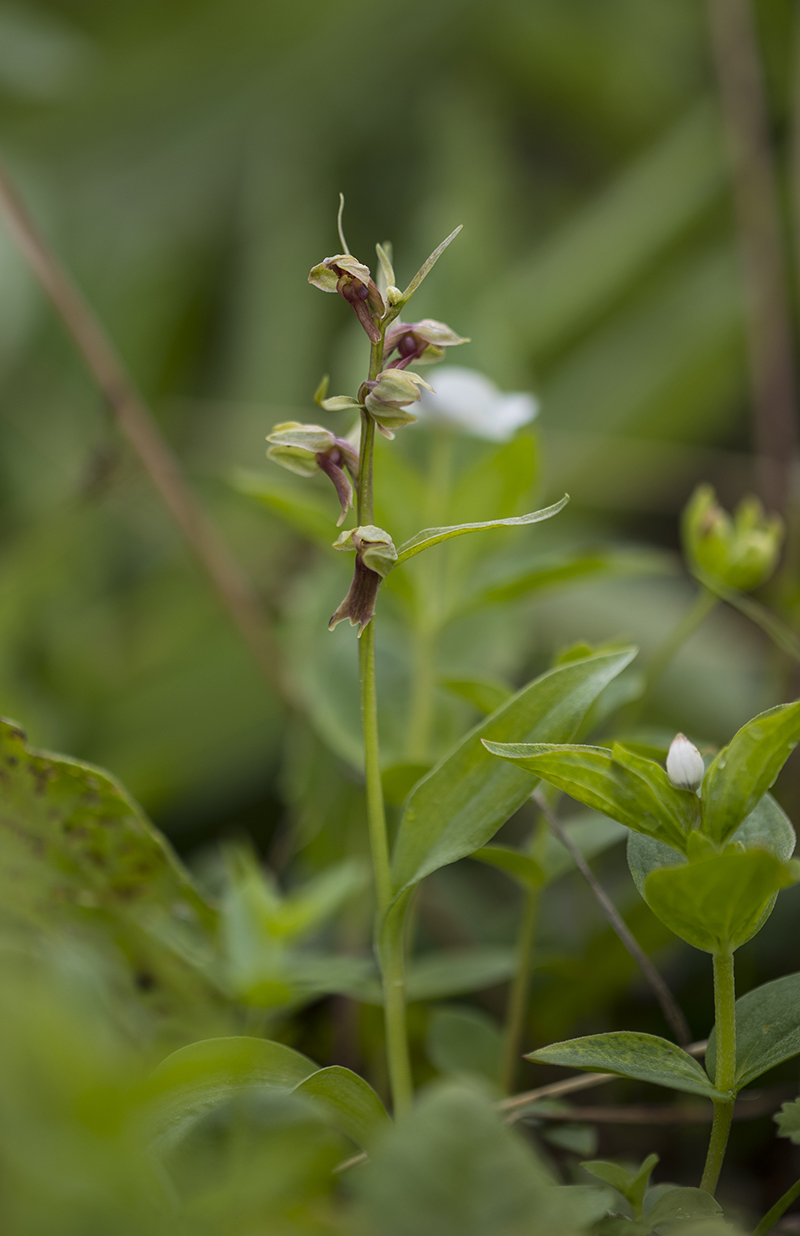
column 184, row 157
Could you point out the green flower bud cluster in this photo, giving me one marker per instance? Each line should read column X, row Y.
column 375, row 557
column 741, row 552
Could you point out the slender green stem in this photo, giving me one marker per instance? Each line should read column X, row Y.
column 376, row 815
column 778, row 1210
column 703, row 604
column 393, row 965
column 518, row 996
column 725, row 1075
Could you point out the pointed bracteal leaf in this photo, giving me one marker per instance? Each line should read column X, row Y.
column 434, row 536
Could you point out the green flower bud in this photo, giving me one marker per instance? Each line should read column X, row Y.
column 375, row 557
column 387, row 397
column 741, row 552
column 308, row 449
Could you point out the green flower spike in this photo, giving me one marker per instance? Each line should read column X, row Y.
column 375, row 557
column 387, row 397
column 740, row 552
column 308, row 449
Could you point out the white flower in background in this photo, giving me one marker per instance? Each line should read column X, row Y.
column 685, row 767
column 467, row 400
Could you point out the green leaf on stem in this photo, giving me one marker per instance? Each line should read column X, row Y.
column 767, row 1029
column 196, row 1079
column 463, row 801
column 642, row 1056
column 632, row 1185
column 618, row 783
column 483, row 694
column 744, row 770
column 353, row 1104
column 434, row 536
column 516, row 863
column 427, row 266
column 680, row 1205
column 720, row 901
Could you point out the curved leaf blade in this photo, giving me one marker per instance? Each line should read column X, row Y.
column 434, row 536
column 197, row 1078
column 354, row 1106
column 463, row 801
column 633, row 790
column 743, row 771
column 642, row 1056
column 718, row 902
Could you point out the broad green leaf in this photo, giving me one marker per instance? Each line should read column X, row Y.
column 642, row 1056
column 197, row 1078
column 767, row 1029
column 75, row 847
column 744, row 770
column 353, row 1104
column 766, row 828
column 633, row 790
column 788, row 1121
column 204, row 1075
column 305, row 513
column 486, row 696
column 566, row 568
column 632, row 1185
column 399, row 780
column 463, row 801
column 515, row 862
column 718, row 902
column 680, row 1205
column 434, row 536
column 452, row 1168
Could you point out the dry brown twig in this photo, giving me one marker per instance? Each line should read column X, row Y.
column 141, row 430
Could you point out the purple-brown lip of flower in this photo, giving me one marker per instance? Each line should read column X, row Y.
column 409, row 346
column 359, row 604
column 364, row 299
column 331, row 463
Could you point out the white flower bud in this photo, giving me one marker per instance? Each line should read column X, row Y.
column 685, row 767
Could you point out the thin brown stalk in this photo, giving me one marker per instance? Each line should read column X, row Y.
column 139, row 427
column 662, row 1113
column 579, row 1081
column 669, row 1005
column 734, row 43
